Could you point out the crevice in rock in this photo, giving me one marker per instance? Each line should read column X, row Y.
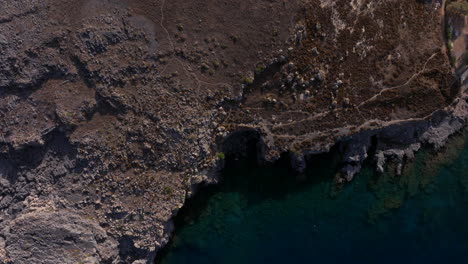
column 25, row 90
column 83, row 72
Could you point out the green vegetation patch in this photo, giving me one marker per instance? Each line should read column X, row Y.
column 221, row 155
column 247, row 80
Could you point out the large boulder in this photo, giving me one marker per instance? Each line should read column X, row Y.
column 57, row 237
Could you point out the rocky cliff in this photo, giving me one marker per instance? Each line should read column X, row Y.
column 111, row 111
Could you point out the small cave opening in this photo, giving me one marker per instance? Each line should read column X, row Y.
column 243, row 144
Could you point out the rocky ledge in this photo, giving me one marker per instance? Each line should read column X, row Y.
column 111, row 112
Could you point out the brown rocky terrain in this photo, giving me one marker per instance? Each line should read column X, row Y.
column 112, row 111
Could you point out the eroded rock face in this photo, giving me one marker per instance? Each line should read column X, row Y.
column 111, row 110
column 57, row 236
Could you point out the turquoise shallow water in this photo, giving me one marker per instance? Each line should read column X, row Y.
column 268, row 215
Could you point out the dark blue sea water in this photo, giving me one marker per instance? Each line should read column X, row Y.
column 268, row 215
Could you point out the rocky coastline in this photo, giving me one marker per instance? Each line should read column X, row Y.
column 112, row 113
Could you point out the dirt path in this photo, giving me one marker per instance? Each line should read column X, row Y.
column 399, row 86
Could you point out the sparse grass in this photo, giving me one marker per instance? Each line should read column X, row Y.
column 221, row 155
column 448, row 32
column 204, row 67
column 275, row 32
column 167, row 190
column 449, row 49
column 247, row 80
column 180, row 27
column 295, row 151
column 458, row 7
column 234, row 38
column 216, row 64
column 449, row 36
column 259, row 69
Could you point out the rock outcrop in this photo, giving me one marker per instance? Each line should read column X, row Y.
column 58, row 236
